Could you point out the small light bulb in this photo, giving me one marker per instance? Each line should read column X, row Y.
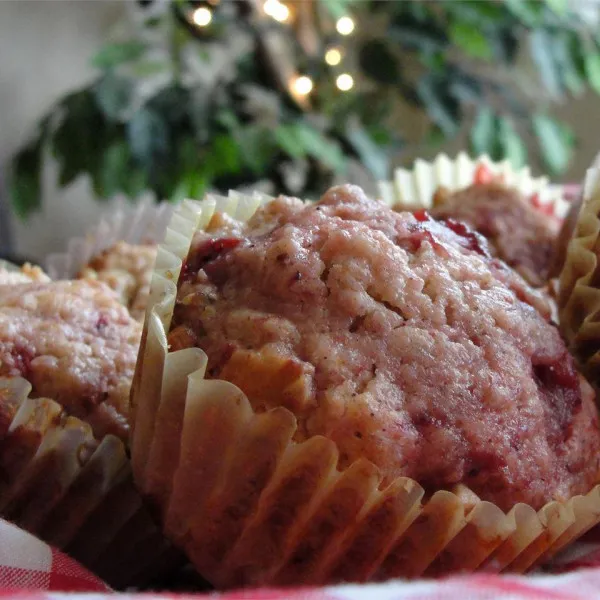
column 333, row 57
column 302, row 85
column 344, row 82
column 281, row 13
column 202, row 16
column 345, row 25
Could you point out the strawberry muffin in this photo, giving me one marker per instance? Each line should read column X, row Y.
column 75, row 344
column 399, row 337
column 127, row 269
column 518, row 232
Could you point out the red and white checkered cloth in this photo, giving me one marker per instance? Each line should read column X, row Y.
column 31, row 570
column 28, row 563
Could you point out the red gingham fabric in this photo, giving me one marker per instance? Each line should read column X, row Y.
column 30, row 570
column 26, row 563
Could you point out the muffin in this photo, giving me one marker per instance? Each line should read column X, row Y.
column 518, row 214
column 346, row 392
column 127, row 269
column 518, row 232
column 74, row 491
column 75, row 343
column 120, row 251
column 23, row 274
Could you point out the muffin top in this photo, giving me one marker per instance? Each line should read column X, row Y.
column 127, row 269
column 75, row 343
column 519, row 233
column 25, row 274
column 397, row 336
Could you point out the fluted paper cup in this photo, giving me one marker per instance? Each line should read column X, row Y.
column 415, row 188
column 251, row 506
column 73, row 491
column 579, row 294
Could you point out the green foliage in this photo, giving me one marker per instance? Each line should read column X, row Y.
column 176, row 109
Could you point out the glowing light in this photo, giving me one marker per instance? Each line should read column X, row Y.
column 333, row 57
column 202, row 16
column 345, row 82
column 280, row 12
column 345, row 25
column 302, row 85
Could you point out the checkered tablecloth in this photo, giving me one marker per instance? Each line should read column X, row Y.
column 28, row 563
column 31, row 570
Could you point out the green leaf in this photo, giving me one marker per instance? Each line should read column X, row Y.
column 224, row 157
column 378, row 62
column 371, row 155
column 471, row 39
column 529, row 13
column 511, row 145
column 560, row 7
column 147, row 134
column 192, row 185
column 25, row 185
column 135, row 183
column 337, row 8
column 592, row 70
column 257, row 148
column 115, row 168
column 114, row 95
column 287, row 139
column 541, row 46
column 483, row 132
column 435, row 136
column 115, row 54
column 319, row 147
column 466, row 89
column 421, row 38
column 565, row 47
column 555, row 141
column 81, row 136
column 441, row 108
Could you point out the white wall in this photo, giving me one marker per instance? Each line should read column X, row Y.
column 45, row 46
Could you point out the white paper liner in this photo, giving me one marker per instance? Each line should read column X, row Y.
column 415, row 188
column 251, row 507
column 72, row 491
column 579, row 289
column 144, row 224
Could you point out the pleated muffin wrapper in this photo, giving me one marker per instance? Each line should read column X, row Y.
column 75, row 492
column 579, row 289
column 144, row 224
column 250, row 506
column 415, row 188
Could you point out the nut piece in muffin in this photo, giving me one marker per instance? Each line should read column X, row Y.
column 127, row 269
column 25, row 274
column 519, row 230
column 399, row 338
column 75, row 343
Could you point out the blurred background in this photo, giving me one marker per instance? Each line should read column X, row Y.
column 106, row 103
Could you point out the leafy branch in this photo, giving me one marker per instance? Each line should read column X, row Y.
column 177, row 109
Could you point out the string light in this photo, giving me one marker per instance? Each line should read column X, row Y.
column 333, row 57
column 280, row 12
column 202, row 16
column 344, row 82
column 302, row 85
column 345, row 26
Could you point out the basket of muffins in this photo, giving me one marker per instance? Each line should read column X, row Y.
column 281, row 392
